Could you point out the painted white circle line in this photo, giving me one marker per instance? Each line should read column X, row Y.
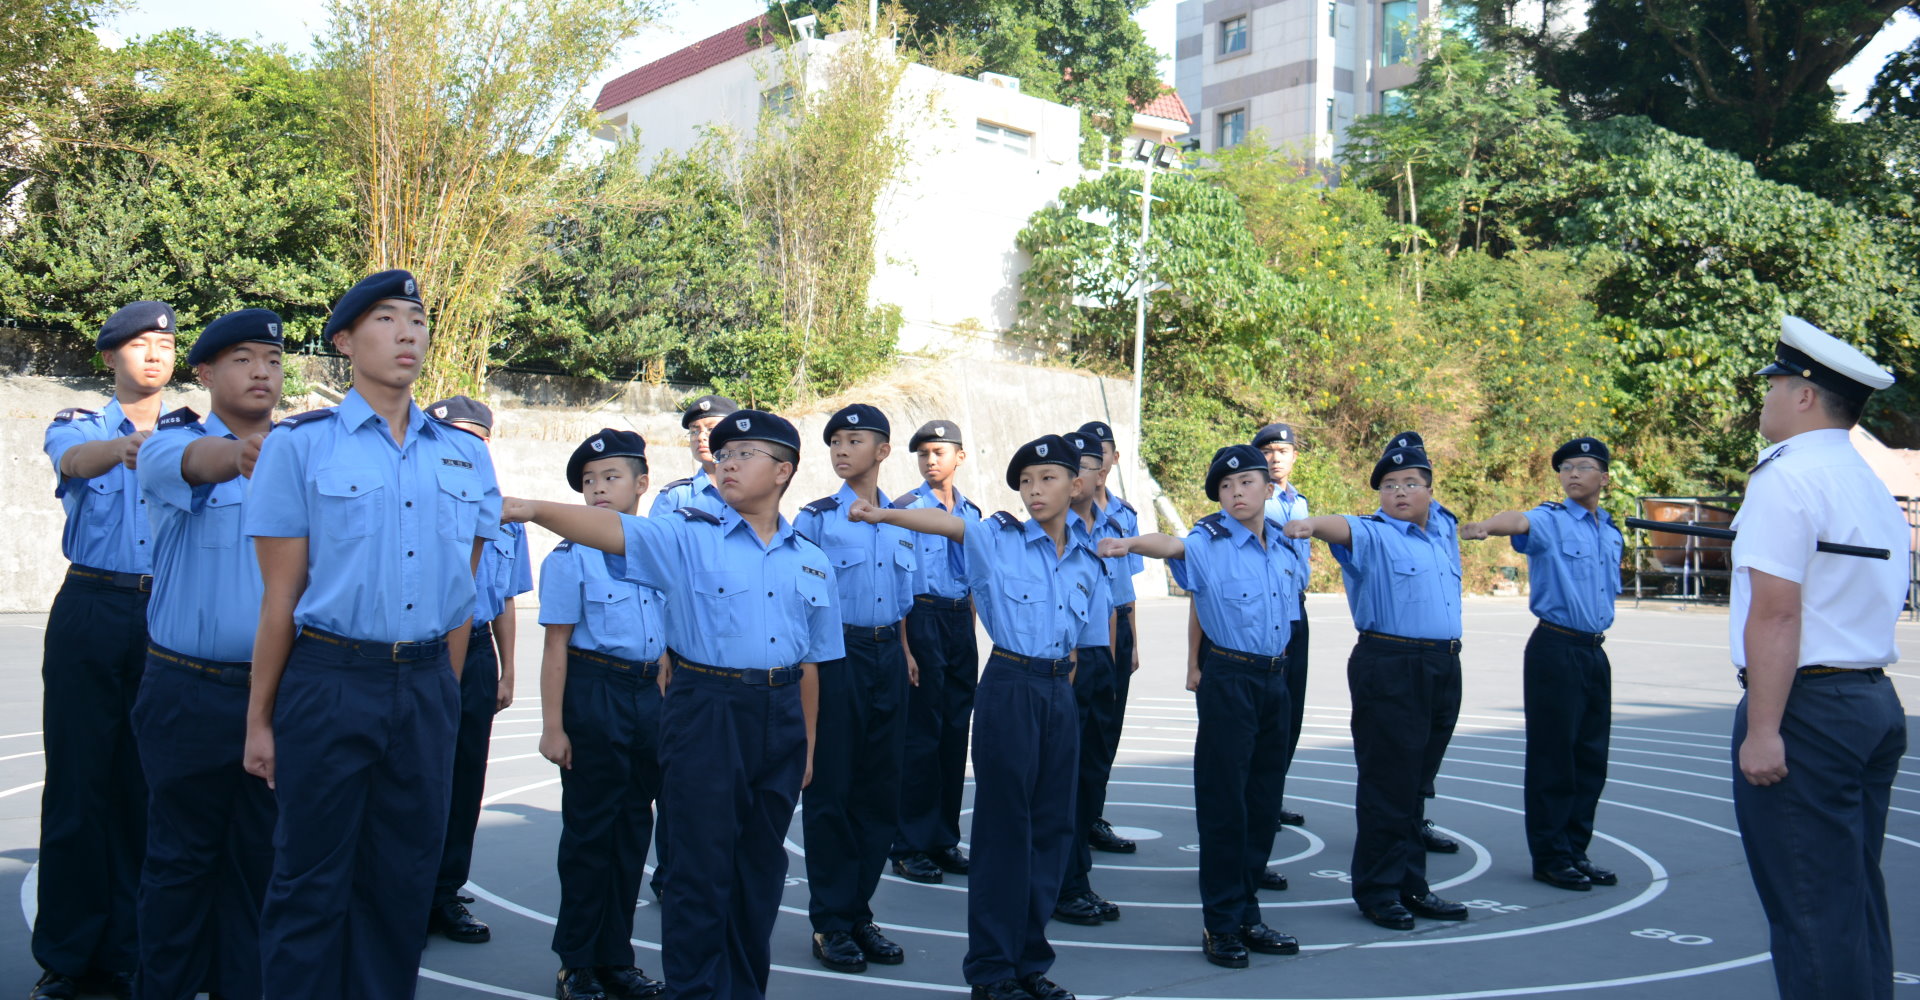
column 1136, row 833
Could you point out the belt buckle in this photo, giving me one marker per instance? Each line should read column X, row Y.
column 770, row 681
column 395, row 652
column 146, row 583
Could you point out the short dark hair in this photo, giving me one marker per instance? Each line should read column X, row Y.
column 636, row 463
column 783, row 453
column 1839, row 407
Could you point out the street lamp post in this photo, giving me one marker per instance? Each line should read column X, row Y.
column 1150, row 155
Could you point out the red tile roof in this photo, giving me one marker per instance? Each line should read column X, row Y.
column 702, row 55
column 1167, row 105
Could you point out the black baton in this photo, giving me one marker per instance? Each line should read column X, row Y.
column 1702, row 531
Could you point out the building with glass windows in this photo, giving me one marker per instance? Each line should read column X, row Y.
column 1298, row 70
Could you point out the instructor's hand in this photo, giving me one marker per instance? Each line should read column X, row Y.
column 862, row 512
column 1473, row 530
column 514, row 510
column 259, row 753
column 1112, row 548
column 1763, row 759
column 1297, row 529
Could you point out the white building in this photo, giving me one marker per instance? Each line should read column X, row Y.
column 981, row 158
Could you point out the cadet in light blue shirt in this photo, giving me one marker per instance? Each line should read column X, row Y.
column 1095, row 702
column 1279, row 443
column 1245, row 577
column 209, row 823
column 697, row 490
column 95, row 649
column 1573, row 571
column 1041, row 593
column 1115, row 518
column 751, row 612
column 368, row 518
column 1402, row 567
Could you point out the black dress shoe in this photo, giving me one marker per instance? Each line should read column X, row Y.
column 951, row 860
column 1005, row 989
column 1290, row 818
column 1224, row 950
column 629, row 983
column 1392, row 916
column 1435, row 841
column 1108, row 909
column 452, row 919
column 837, row 951
column 1433, row 907
column 1077, row 910
column 54, row 986
column 918, row 868
column 1563, row 877
column 1102, row 838
column 579, row 984
column 876, row 947
column 1270, row 879
column 1596, row 874
column 1043, row 988
column 1267, row 941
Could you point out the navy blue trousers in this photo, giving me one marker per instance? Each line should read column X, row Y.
column 363, row 766
column 1114, row 710
column 479, row 702
column 93, row 809
column 939, row 711
column 1567, row 686
column 1813, row 840
column 611, row 713
column 1023, row 777
column 1093, row 702
column 1239, row 762
column 851, row 809
column 733, row 756
column 1405, row 701
column 1296, row 688
column 209, row 832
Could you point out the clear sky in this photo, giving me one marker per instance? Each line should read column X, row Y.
column 293, row 23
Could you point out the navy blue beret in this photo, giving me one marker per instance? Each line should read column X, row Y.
column 935, row 431
column 1233, row 460
column 372, row 289
column 1404, row 439
column 754, row 425
column 462, row 410
column 1583, row 447
column 1396, row 459
column 1276, row 434
column 1086, row 445
column 857, row 417
column 242, row 326
column 605, row 443
column 707, row 406
column 1049, row 450
column 132, row 320
column 1098, row 430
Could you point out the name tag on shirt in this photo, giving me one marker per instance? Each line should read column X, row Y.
column 456, row 462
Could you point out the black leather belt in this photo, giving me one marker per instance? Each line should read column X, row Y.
column 644, row 670
column 1256, row 661
column 397, row 652
column 1437, row 645
column 943, row 603
column 776, row 677
column 479, row 629
column 1878, row 673
column 1588, row 638
column 238, row 673
column 142, row 582
column 1033, row 664
column 873, row 633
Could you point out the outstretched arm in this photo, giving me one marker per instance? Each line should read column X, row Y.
column 1507, row 522
column 1156, row 545
column 594, row 527
column 925, row 520
column 1330, row 528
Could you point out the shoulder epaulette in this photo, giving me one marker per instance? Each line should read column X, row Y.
column 1005, row 520
column 566, row 545
column 308, row 417
column 824, row 505
column 1764, row 461
column 1213, row 524
column 676, row 484
column 75, row 411
column 182, row 417
column 903, row 501
column 1443, row 509
column 971, row 506
column 1122, row 503
column 1278, row 530
column 1553, row 505
column 696, row 514
column 1373, row 517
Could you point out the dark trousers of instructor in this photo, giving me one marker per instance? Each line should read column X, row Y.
column 1023, row 776
column 1406, row 698
column 939, row 711
column 1567, row 685
column 852, row 807
column 209, row 832
column 1239, row 764
column 611, row 712
column 1296, row 690
column 479, row 701
column 1094, row 694
column 363, row 766
column 93, row 809
column 733, row 751
column 1813, row 840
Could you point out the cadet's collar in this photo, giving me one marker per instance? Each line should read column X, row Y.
column 1825, row 437
column 354, row 411
column 214, row 426
column 1287, row 493
column 1578, row 511
column 847, row 496
column 1434, row 511
column 731, row 521
column 114, row 416
column 1238, row 533
column 702, row 481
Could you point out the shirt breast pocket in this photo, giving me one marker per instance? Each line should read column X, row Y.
column 220, row 518
column 350, row 501
column 904, row 559
column 720, row 603
column 1242, row 603
column 611, row 611
column 459, row 498
column 846, row 558
column 1408, row 586
column 103, row 515
column 810, row 595
column 1030, row 610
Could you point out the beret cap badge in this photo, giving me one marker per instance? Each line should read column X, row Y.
column 599, row 444
column 743, row 423
column 1042, row 450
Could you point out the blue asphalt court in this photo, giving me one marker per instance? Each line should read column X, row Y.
column 1683, row 923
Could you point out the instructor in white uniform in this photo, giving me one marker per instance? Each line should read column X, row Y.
column 1818, row 736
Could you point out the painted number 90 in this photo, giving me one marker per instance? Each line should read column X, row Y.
column 1656, row 934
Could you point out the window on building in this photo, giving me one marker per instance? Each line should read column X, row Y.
column 778, row 100
column 1333, row 18
column 1233, row 35
column 1001, row 137
column 1393, row 102
column 1232, row 129
column 1397, row 24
